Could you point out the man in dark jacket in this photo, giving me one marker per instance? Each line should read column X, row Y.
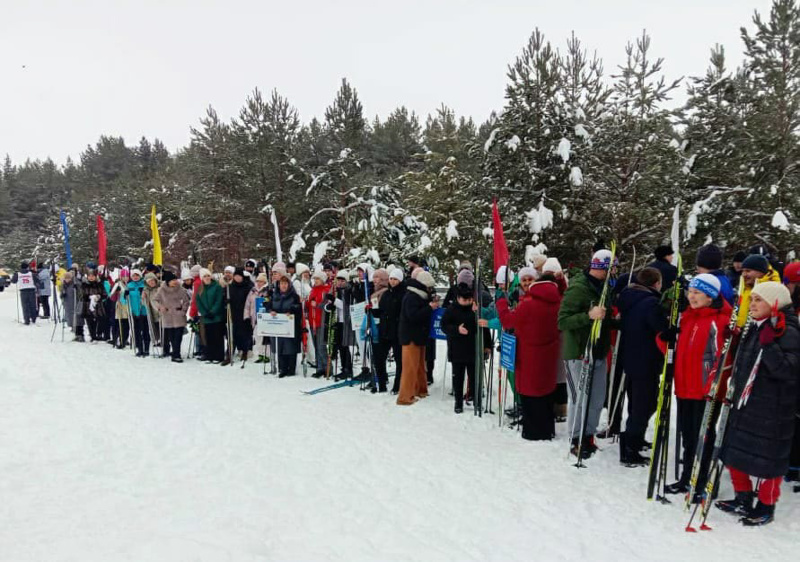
column 664, row 265
column 735, row 271
column 579, row 310
column 709, row 260
column 643, row 319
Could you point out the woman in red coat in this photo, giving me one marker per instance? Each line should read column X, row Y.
column 535, row 324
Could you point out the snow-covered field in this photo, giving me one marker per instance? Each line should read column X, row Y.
column 104, row 456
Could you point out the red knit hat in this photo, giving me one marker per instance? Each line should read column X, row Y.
column 791, row 273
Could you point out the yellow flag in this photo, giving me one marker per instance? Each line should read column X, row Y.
column 156, row 238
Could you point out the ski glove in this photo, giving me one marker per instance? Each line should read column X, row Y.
column 767, row 334
column 775, row 328
column 670, row 334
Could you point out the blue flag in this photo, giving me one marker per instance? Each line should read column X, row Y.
column 66, row 239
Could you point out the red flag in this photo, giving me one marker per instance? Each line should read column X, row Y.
column 500, row 248
column 101, row 241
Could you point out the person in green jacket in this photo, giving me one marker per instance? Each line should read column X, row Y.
column 212, row 316
column 579, row 309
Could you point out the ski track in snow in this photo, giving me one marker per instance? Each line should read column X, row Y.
column 106, row 456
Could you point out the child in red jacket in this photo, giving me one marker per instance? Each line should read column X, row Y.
column 702, row 328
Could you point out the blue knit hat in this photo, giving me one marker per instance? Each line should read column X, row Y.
column 707, row 284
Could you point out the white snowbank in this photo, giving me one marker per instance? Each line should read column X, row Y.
column 111, row 457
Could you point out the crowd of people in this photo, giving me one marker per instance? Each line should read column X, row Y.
column 550, row 311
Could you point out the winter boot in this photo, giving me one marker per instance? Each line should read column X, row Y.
column 761, row 514
column 742, row 504
column 177, row 360
column 629, row 452
column 589, row 445
column 78, row 338
column 585, row 453
column 262, row 359
column 679, row 487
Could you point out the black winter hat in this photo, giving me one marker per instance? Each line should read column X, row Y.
column 662, row 252
column 23, row 265
column 756, row 262
column 413, row 258
column 599, row 245
column 464, row 291
column 239, row 271
column 168, row 276
column 739, row 256
column 759, row 249
column 709, row 257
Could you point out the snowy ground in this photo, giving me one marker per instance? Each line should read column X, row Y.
column 109, row 457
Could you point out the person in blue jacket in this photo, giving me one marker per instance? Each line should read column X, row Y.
column 141, row 331
column 709, row 260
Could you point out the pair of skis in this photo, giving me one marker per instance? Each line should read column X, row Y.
column 657, row 476
column 614, row 399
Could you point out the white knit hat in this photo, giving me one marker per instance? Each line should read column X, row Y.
column 501, row 275
column 136, row 272
column 396, row 273
column 772, row 292
column 425, row 278
column 301, row 268
column 230, row 269
column 319, row 274
column 538, row 261
column 552, row 265
column 342, row 274
column 204, row 272
column 186, row 274
column 528, row 272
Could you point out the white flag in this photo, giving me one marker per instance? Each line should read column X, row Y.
column 675, row 235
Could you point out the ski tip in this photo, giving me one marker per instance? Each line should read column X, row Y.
column 705, row 527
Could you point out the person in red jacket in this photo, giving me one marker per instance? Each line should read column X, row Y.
column 316, row 319
column 702, row 329
column 535, row 324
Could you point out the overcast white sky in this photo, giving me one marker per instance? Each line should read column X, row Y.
column 151, row 68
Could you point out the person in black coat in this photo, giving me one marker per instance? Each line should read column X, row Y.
column 663, row 263
column 415, row 327
column 387, row 315
column 93, row 293
column 642, row 319
column 765, row 386
column 238, row 291
column 285, row 301
column 461, row 326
